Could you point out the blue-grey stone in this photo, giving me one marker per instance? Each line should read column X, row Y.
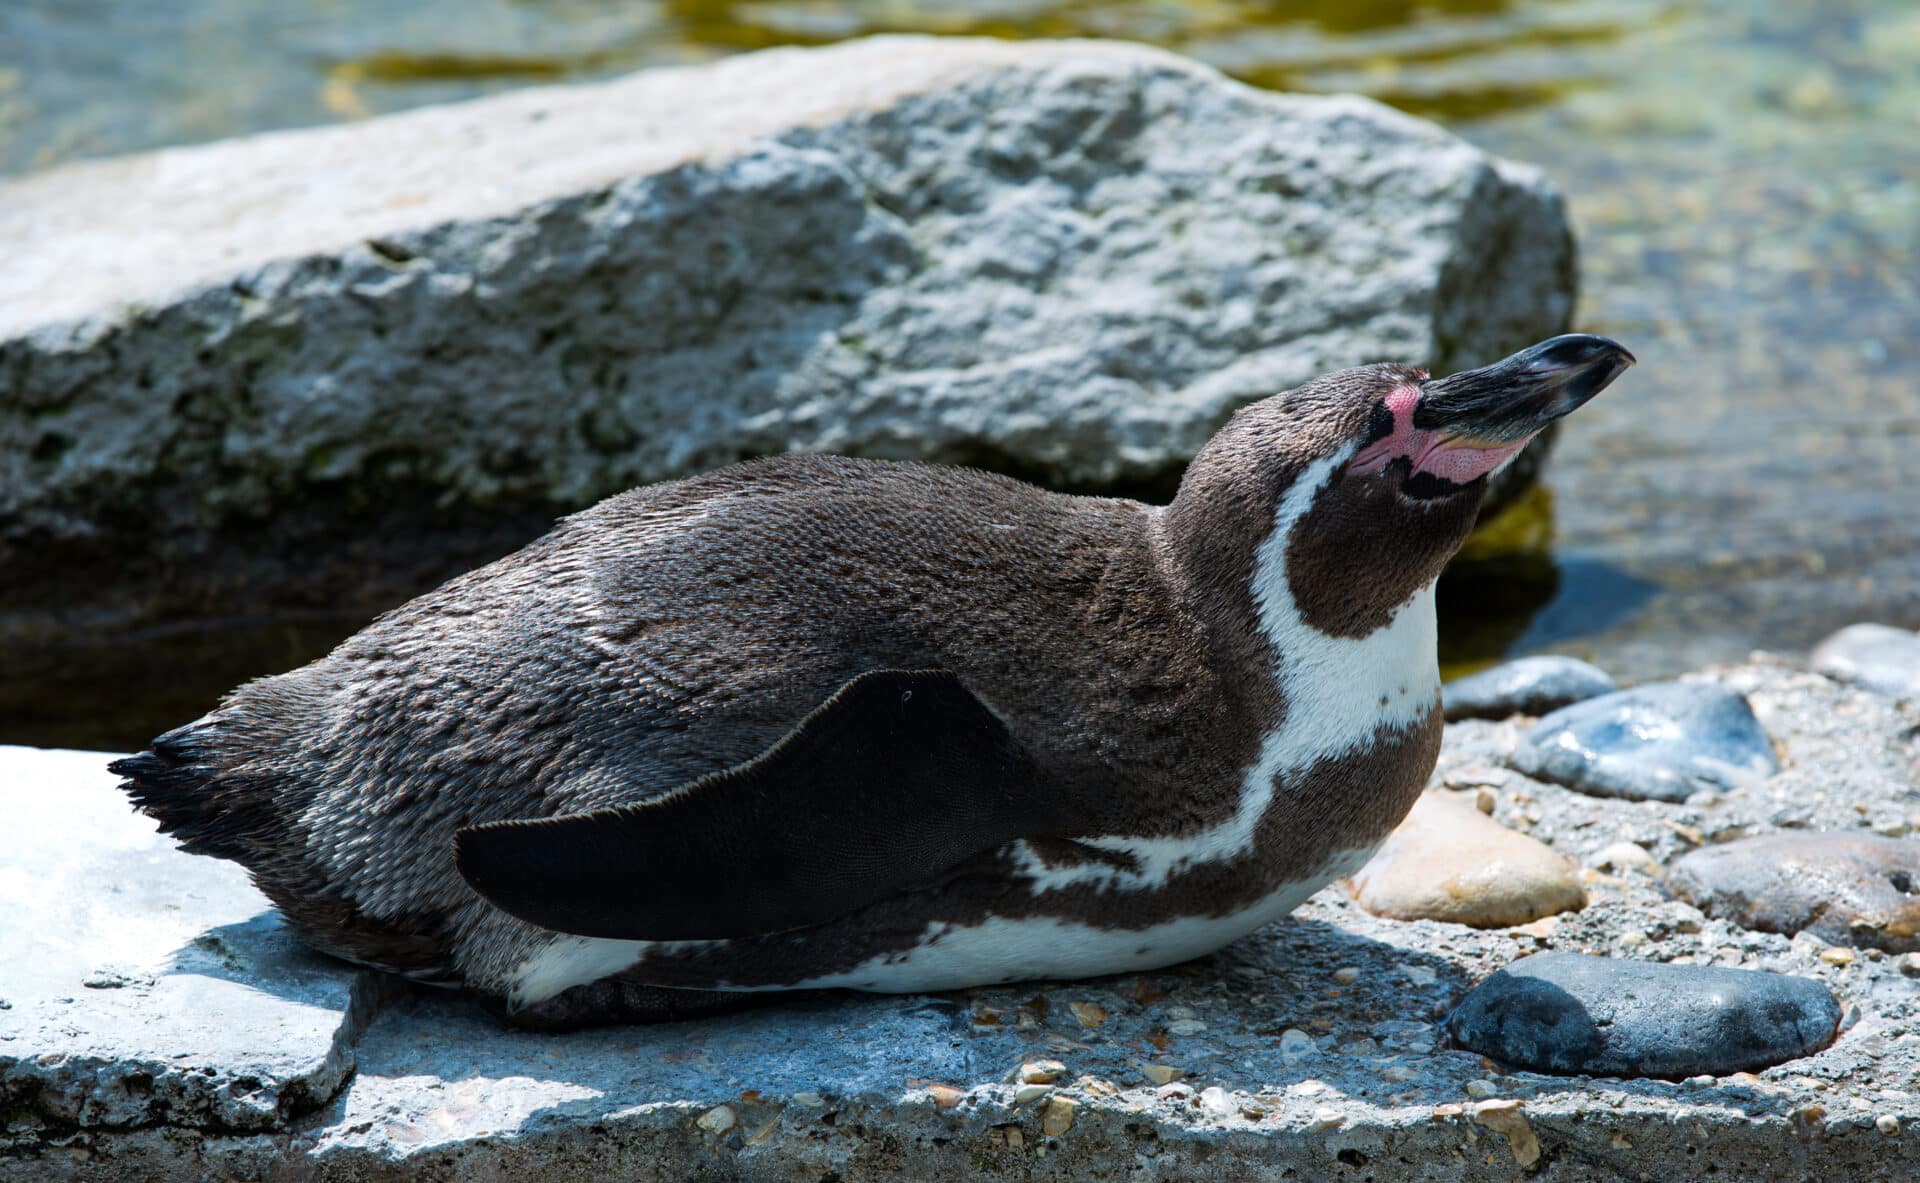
column 1598, row 1016
column 1528, row 686
column 1663, row 742
column 1880, row 658
column 1847, row 888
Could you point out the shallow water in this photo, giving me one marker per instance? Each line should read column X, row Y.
column 1745, row 179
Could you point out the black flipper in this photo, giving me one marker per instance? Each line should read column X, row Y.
column 898, row 777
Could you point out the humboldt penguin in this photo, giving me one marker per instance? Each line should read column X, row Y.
column 812, row 722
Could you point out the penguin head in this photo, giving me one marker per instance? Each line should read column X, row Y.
column 1356, row 487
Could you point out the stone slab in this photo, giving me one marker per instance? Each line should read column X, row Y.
column 141, row 987
column 1314, row 1045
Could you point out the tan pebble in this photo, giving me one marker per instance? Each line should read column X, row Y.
column 1619, row 1142
column 810, row 1100
column 1450, row 863
column 1031, row 1092
column 1056, row 1117
column 1346, row 975
column 1887, row 1124
column 1450, row 1109
column 1625, row 856
column 1484, row 800
column 1504, row 1117
column 1161, row 1073
column 1910, row 964
column 1479, row 1088
column 1633, row 938
column 717, row 1120
column 1014, row 1138
column 1041, row 1071
column 1089, row 1014
column 1539, row 929
column 1837, row 956
column 1097, row 1087
column 1687, row 924
column 1325, row 1118
column 945, row 1096
column 1690, row 834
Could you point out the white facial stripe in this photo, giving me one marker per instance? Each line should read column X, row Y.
column 1339, row 692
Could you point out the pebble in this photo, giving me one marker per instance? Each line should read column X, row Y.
column 1528, row 686
column 1056, row 1117
column 1161, row 1073
column 1882, row 659
column 1480, row 1088
column 1910, row 965
column 945, row 1096
column 1214, row 1100
column 1887, row 1124
column 1447, row 861
column 1089, row 1014
column 717, row 1120
column 1295, row 1044
column 815, row 1100
column 1186, row 1027
column 1041, row 1071
column 1624, row 856
column 1504, row 1118
column 1325, row 1118
column 1847, row 888
column 1661, row 742
column 1573, row 1013
column 1346, row 975
column 1031, row 1092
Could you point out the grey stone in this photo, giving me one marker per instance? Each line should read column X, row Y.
column 145, row 986
column 1875, row 656
column 1663, row 742
column 1845, row 888
column 1527, row 686
column 408, row 342
column 1600, row 1016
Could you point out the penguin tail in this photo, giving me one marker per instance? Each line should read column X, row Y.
column 181, row 782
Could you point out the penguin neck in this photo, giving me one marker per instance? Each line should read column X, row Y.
column 1226, row 548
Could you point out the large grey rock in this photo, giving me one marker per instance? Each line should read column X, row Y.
column 140, row 986
column 1312, row 1045
column 319, row 370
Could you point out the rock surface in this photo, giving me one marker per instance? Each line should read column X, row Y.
column 1312, row 1045
column 1599, row 1016
column 1662, row 742
column 1447, row 861
column 1527, row 686
column 1845, row 888
column 318, row 371
column 143, row 987
column 1874, row 655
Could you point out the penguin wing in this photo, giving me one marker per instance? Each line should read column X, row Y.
column 898, row 777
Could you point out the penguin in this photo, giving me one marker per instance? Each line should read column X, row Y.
column 811, row 722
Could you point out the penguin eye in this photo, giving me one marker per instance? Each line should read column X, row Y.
column 1379, row 425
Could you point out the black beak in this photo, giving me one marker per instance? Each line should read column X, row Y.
column 1517, row 396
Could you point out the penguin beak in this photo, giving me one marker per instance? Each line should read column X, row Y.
column 1510, row 401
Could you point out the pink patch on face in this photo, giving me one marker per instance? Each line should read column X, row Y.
column 1430, row 452
column 1399, row 442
